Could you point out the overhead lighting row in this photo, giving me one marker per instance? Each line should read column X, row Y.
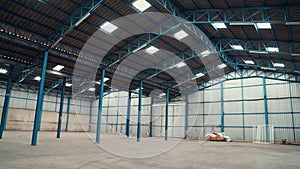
column 44, row 44
column 268, row 49
column 251, row 62
column 221, row 25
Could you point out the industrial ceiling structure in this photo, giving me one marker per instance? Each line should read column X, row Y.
column 248, row 35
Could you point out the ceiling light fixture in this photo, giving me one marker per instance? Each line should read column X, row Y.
column 92, row 89
column 263, row 26
column 258, row 52
column 219, row 25
column 37, row 78
column 151, row 50
column 82, row 19
column 105, row 79
column 108, row 27
column 68, row 84
column 237, row 47
column 3, row 71
column 292, row 23
column 278, row 64
column 180, row 65
column 249, row 62
column 58, row 68
column 141, row 5
column 241, row 23
column 272, row 49
column 205, row 53
column 221, row 66
column 268, row 68
column 139, row 48
column 180, row 34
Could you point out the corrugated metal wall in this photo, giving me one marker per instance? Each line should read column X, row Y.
column 242, row 101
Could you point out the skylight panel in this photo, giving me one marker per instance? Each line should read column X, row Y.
column 108, row 27
column 141, row 5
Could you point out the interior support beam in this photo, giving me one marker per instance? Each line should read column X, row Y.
column 99, row 119
column 6, row 102
column 39, row 105
column 68, row 114
column 91, row 116
column 222, row 106
column 167, row 115
column 61, row 107
column 128, row 115
column 139, row 111
column 266, row 110
column 186, row 117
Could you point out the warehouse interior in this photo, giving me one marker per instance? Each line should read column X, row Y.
column 145, row 83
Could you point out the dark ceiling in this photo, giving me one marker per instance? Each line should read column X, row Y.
column 27, row 24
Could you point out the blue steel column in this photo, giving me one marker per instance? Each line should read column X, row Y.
column 266, row 109
column 99, row 119
column 68, row 114
column 167, row 114
column 6, row 102
column 292, row 108
column 61, row 107
column 39, row 105
column 128, row 115
column 139, row 112
column 243, row 107
column 222, row 107
column 91, row 115
column 186, row 117
column 40, row 110
column 151, row 119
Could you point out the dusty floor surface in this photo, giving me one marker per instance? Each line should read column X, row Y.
column 77, row 150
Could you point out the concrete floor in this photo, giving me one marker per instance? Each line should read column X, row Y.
column 77, row 150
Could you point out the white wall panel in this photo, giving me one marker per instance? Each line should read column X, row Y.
column 234, row 133
column 276, row 91
column 283, row 133
column 135, row 101
column 217, row 86
column 252, row 81
column 254, row 106
column 212, row 120
column 295, row 89
column 233, row 94
column 212, row 95
column 232, row 83
column 212, row 108
column 232, row 107
column 249, row 134
column 195, row 97
column 253, row 92
column 195, row 108
column 178, row 110
column 31, row 104
column 296, row 105
column 253, row 120
column 282, row 105
column 271, row 81
column 233, row 120
column 297, row 120
column 281, row 120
